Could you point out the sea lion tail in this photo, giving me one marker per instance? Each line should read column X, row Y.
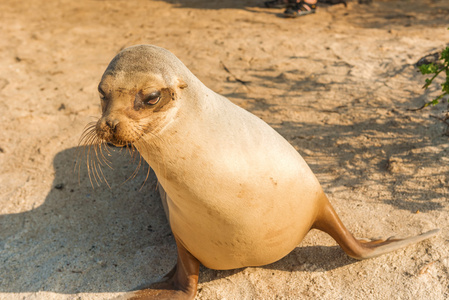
column 329, row 222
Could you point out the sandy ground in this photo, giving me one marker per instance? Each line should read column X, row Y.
column 336, row 84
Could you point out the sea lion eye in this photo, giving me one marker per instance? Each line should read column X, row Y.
column 153, row 98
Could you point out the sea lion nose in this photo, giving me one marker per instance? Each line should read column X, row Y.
column 112, row 123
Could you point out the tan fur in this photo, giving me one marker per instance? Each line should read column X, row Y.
column 236, row 193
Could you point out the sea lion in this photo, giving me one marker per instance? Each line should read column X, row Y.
column 235, row 192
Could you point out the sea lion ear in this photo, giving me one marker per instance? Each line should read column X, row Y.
column 173, row 93
column 181, row 84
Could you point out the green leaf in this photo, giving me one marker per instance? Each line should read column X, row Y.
column 428, row 68
column 435, row 101
column 435, row 70
column 445, row 87
column 445, row 54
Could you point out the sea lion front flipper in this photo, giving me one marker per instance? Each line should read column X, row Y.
column 179, row 284
column 329, row 222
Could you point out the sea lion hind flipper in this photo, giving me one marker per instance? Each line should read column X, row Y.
column 329, row 222
column 379, row 247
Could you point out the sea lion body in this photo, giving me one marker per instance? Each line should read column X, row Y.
column 239, row 194
column 235, row 192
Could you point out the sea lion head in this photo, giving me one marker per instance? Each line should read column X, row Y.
column 138, row 92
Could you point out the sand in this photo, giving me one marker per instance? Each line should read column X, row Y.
column 337, row 85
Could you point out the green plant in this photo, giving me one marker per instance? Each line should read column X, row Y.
column 435, row 69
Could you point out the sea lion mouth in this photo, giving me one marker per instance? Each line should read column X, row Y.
column 125, row 145
column 116, row 135
column 110, row 140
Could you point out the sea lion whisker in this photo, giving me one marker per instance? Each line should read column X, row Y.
column 135, row 154
column 131, row 161
column 87, row 137
column 88, row 169
column 97, row 149
column 91, row 141
column 146, row 177
column 102, row 144
column 130, row 152
column 101, row 160
column 88, row 128
column 80, row 152
column 82, row 142
column 96, row 174
column 94, row 169
column 132, row 149
column 104, row 177
column 92, row 165
column 140, row 162
column 134, row 174
column 139, row 144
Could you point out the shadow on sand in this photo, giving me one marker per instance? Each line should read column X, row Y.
column 81, row 237
column 83, row 240
column 378, row 14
